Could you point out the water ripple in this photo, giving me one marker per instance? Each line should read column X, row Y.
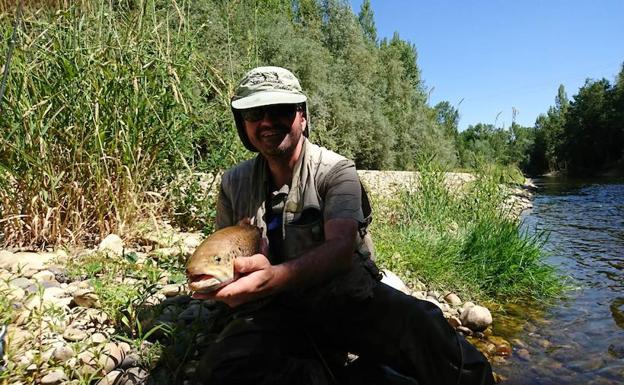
column 585, row 331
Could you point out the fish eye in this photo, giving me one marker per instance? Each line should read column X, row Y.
column 217, row 259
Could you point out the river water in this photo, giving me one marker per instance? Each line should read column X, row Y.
column 578, row 339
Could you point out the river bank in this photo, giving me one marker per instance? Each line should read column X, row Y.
column 121, row 311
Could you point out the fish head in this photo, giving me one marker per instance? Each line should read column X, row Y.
column 211, row 266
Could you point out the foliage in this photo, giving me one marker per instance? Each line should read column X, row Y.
column 462, row 238
column 485, row 143
column 582, row 136
column 109, row 102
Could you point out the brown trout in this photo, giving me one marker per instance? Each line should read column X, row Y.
column 211, row 265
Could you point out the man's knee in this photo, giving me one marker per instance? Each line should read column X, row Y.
column 259, row 369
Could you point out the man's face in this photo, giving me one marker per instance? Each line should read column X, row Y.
column 275, row 130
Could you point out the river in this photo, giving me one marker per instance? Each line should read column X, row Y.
column 578, row 339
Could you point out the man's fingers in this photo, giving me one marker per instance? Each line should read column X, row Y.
column 250, row 264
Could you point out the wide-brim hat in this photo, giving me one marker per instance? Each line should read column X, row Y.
column 264, row 86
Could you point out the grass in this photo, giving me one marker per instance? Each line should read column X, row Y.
column 106, row 104
column 463, row 239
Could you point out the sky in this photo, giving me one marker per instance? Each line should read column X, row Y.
column 488, row 58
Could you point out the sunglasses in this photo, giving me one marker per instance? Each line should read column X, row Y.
column 275, row 111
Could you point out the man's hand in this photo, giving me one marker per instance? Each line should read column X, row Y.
column 254, row 273
column 261, row 279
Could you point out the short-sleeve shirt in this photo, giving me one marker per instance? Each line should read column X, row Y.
column 325, row 186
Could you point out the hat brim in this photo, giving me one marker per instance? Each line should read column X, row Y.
column 267, row 98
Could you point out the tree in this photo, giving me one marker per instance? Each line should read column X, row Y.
column 549, row 136
column 367, row 21
column 447, row 117
column 588, row 143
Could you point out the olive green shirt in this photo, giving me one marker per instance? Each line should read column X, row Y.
column 325, row 186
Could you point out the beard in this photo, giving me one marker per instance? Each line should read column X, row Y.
column 279, row 140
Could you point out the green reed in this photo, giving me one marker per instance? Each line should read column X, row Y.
column 103, row 107
column 463, row 238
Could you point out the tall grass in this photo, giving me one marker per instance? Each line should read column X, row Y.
column 104, row 107
column 462, row 238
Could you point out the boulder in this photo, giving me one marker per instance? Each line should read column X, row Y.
column 476, row 318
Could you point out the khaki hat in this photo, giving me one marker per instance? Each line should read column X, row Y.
column 264, row 86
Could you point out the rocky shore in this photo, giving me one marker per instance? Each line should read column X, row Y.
column 64, row 324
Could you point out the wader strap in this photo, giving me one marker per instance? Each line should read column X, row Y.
column 367, row 212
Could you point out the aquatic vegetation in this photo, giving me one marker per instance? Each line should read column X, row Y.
column 462, row 238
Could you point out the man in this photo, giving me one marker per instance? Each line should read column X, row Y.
column 314, row 294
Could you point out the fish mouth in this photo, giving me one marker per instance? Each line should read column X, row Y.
column 206, row 283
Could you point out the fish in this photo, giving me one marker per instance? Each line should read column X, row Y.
column 211, row 266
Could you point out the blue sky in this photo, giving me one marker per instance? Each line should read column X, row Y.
column 488, row 57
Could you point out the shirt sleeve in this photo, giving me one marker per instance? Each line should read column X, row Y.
column 343, row 197
column 225, row 216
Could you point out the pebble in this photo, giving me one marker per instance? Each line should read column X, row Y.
column 6, row 259
column 454, row 322
column 467, row 305
column 86, row 298
column 544, row 343
column 21, row 282
column 94, row 316
column 26, row 263
column 53, row 292
column 63, row 353
column 73, row 334
column 112, row 244
column 477, row 318
column 88, row 363
column 173, row 290
column 115, row 355
column 130, row 360
column 433, row 294
column 503, row 347
column 55, row 377
column 98, row 338
column 60, row 274
column 43, row 276
column 452, row 299
column 166, row 252
column 524, row 354
column 15, row 294
column 111, row 378
column 435, row 302
column 135, row 376
column 518, row 342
